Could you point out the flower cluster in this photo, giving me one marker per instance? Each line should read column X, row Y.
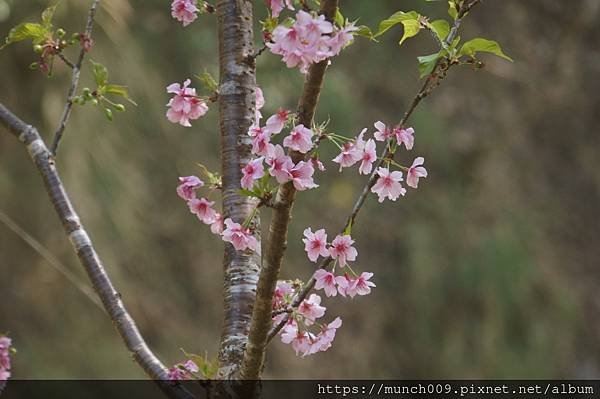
column 5, row 349
column 185, row 104
column 389, row 183
column 185, row 11
column 297, row 330
column 310, row 39
column 183, row 371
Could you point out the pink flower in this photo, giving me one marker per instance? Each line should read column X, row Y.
column 311, row 309
column 280, row 164
column 369, row 155
column 184, row 11
column 342, row 249
column 289, row 331
column 300, row 139
column 405, row 136
column 261, row 141
column 185, row 105
column 317, row 163
column 326, row 281
column 415, row 172
column 301, row 175
column 260, row 102
column 315, row 244
column 187, row 187
column 254, row 170
column 383, row 132
column 388, row 185
column 202, row 208
column 276, row 122
column 5, row 344
column 342, row 38
column 183, row 371
column 217, row 226
column 4, row 375
column 360, row 285
column 282, row 295
column 240, row 237
column 343, row 282
column 277, row 6
column 350, row 155
column 327, row 335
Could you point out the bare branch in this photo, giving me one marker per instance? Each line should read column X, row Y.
column 74, row 79
column 88, row 257
column 431, row 82
column 261, row 315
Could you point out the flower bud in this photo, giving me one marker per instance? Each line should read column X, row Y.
column 109, row 114
column 60, row 32
column 34, row 66
column 119, row 107
column 38, row 48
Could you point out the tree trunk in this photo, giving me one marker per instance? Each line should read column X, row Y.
column 237, row 95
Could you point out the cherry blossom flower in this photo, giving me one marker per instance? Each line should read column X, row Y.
column 184, row 11
column 299, row 139
column 261, row 144
column 275, row 123
column 326, row 281
column 342, row 249
column 317, row 163
column 360, row 285
column 342, row 38
column 183, row 371
column 185, row 105
column 383, row 132
column 315, row 244
column 5, row 344
column 277, row 6
column 415, row 172
column 343, row 282
column 187, row 187
column 311, row 309
column 282, row 294
column 280, row 164
column 350, row 155
column 405, row 136
column 301, row 175
column 254, row 170
column 327, row 335
column 388, row 185
column 202, row 208
column 217, row 226
column 240, row 237
column 260, row 102
column 289, row 331
column 369, row 155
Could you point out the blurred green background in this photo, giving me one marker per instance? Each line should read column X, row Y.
column 489, row 270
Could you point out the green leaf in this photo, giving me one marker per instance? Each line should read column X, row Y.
column 474, row 46
column 208, row 82
column 120, row 91
column 27, row 30
column 427, row 63
column 47, row 16
column 364, row 31
column 409, row 20
column 339, row 18
column 441, row 27
column 452, row 11
column 100, row 73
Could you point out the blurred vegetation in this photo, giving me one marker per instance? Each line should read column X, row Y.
column 489, row 270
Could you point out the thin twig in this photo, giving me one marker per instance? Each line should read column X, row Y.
column 74, row 79
column 88, row 257
column 66, row 60
column 430, row 83
column 51, row 259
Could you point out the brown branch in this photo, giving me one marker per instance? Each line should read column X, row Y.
column 74, row 79
column 237, row 95
column 89, row 259
column 278, row 230
column 430, row 83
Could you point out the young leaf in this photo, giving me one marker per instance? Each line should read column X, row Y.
column 100, row 73
column 27, row 30
column 441, row 27
column 409, row 20
column 47, row 16
column 208, row 82
column 474, row 46
column 339, row 18
column 120, row 91
column 364, row 31
column 452, row 11
column 427, row 63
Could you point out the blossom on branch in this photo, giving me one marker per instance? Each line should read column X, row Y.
column 415, row 172
column 185, row 11
column 187, row 187
column 240, row 237
column 341, row 249
column 388, row 185
column 315, row 244
column 185, row 105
